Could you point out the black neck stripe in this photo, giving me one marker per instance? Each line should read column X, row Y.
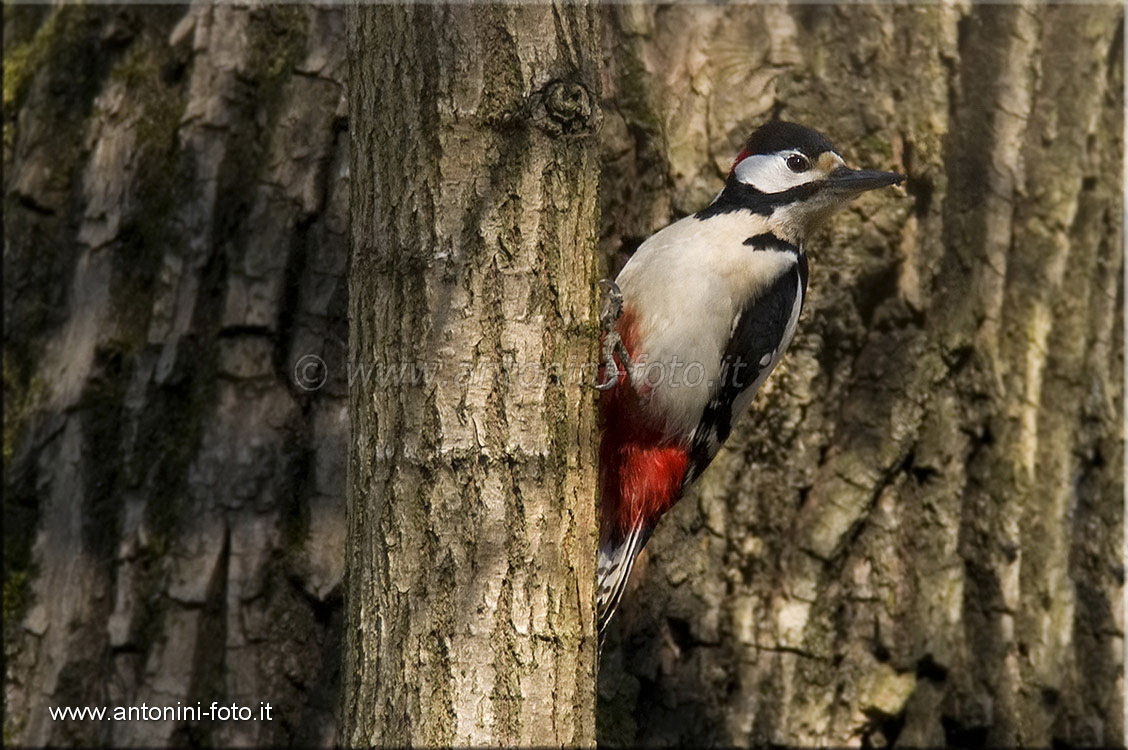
column 768, row 241
column 738, row 196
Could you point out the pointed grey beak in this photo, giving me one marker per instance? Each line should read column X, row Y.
column 859, row 180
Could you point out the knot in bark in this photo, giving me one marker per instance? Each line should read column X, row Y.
column 568, row 109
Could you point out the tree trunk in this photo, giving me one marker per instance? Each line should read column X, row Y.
column 471, row 495
column 175, row 223
column 915, row 535
column 913, row 539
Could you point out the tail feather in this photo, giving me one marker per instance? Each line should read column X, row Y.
column 615, row 563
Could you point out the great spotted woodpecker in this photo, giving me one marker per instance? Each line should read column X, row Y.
column 700, row 316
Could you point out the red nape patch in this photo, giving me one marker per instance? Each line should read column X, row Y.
column 744, row 154
column 640, row 470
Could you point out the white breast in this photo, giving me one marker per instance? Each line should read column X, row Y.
column 685, row 285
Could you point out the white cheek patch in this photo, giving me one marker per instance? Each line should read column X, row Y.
column 769, row 173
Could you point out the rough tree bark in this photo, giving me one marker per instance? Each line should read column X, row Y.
column 916, row 535
column 471, row 497
column 913, row 539
column 174, row 220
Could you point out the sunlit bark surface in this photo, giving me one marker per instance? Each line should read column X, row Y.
column 913, row 539
column 471, row 498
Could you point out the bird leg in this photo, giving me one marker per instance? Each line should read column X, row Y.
column 612, row 343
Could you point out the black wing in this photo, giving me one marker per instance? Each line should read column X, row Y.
column 758, row 334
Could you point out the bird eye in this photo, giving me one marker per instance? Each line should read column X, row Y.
column 797, row 163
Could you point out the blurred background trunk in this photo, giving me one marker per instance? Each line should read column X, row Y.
column 914, row 538
column 176, row 214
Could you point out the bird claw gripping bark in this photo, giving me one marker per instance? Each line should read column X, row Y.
column 612, row 343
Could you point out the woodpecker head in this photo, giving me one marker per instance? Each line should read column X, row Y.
column 795, row 178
